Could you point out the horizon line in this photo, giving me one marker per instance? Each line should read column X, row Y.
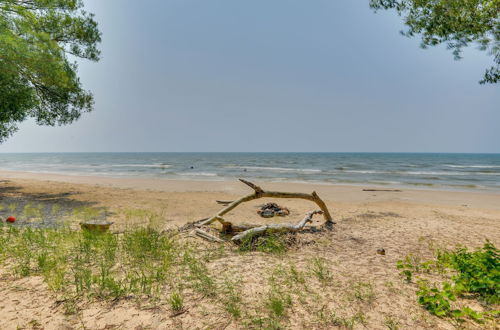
column 248, row 152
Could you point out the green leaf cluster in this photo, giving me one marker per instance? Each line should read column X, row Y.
column 478, row 272
column 456, row 23
column 475, row 274
column 39, row 43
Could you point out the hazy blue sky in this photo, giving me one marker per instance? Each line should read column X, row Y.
column 271, row 75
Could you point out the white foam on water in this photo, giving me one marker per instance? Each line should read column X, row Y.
column 276, row 169
column 473, row 166
column 450, row 173
column 197, row 174
column 365, row 171
column 142, row 165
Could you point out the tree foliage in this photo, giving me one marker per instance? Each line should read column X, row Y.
column 456, row 23
column 39, row 43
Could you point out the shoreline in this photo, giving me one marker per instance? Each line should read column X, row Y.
column 330, row 192
column 66, row 177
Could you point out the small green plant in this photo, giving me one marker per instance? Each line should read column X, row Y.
column 270, row 243
column 12, row 207
column 30, row 211
column 232, row 298
column 435, row 300
column 268, row 323
column 70, row 306
column 330, row 318
column 363, row 291
column 35, row 324
column 56, row 208
column 391, row 323
column 406, row 270
column 277, row 303
column 199, row 276
column 87, row 213
column 278, row 299
column 176, row 301
column 320, row 270
column 296, row 276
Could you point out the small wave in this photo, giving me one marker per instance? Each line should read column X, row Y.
column 435, row 173
column 427, row 173
column 385, row 182
column 276, row 169
column 473, row 166
column 197, row 174
column 366, row 172
column 451, row 173
column 141, row 165
column 91, row 166
column 425, row 184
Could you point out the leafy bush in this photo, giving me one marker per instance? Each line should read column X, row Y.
column 475, row 274
column 478, row 272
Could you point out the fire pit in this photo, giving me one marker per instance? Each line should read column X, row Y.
column 270, row 210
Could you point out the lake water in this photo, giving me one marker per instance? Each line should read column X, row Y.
column 439, row 171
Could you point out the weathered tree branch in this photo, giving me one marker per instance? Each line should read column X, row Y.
column 287, row 227
column 230, row 228
column 257, row 189
column 260, row 193
column 207, row 236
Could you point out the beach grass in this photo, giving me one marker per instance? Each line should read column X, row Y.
column 152, row 267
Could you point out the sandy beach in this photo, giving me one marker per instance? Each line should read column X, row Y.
column 255, row 165
column 404, row 222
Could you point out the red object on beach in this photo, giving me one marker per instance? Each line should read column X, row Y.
column 10, row 219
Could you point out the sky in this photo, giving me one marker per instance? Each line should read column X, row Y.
column 280, row 75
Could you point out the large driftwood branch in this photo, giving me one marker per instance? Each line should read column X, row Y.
column 230, row 228
column 275, row 227
column 260, row 193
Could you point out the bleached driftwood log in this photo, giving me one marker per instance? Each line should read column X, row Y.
column 230, row 228
column 260, row 193
column 281, row 227
column 207, row 236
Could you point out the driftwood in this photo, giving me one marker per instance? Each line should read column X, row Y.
column 207, row 236
column 230, row 228
column 224, row 202
column 393, row 190
column 282, row 227
column 260, row 193
column 245, row 230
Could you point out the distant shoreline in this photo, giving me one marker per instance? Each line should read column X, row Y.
column 55, row 176
column 84, row 178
